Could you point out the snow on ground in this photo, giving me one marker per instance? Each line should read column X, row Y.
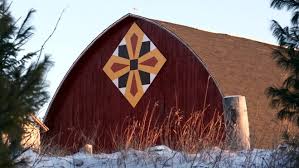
column 161, row 156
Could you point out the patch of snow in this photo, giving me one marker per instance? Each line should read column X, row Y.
column 161, row 156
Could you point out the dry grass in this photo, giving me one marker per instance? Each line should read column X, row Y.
column 186, row 132
column 137, row 134
column 189, row 133
column 194, row 132
column 179, row 131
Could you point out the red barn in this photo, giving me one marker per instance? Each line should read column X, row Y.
column 137, row 62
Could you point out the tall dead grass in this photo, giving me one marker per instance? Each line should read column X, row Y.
column 186, row 132
column 137, row 134
column 193, row 132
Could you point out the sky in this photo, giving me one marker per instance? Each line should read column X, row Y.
column 82, row 21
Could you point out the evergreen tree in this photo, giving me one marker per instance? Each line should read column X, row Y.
column 286, row 97
column 22, row 84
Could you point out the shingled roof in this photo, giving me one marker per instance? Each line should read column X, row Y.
column 240, row 67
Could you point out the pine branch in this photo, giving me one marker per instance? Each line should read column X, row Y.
column 23, row 28
column 295, row 18
column 289, row 4
column 279, row 33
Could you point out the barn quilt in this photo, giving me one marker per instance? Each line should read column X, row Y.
column 134, row 64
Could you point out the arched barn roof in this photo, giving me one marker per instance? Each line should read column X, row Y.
column 238, row 66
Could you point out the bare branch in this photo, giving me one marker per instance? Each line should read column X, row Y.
column 53, row 31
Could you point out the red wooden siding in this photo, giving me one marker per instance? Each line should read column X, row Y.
column 88, row 98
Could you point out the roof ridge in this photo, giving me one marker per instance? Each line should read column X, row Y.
column 161, row 22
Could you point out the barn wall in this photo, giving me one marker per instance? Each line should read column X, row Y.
column 87, row 98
